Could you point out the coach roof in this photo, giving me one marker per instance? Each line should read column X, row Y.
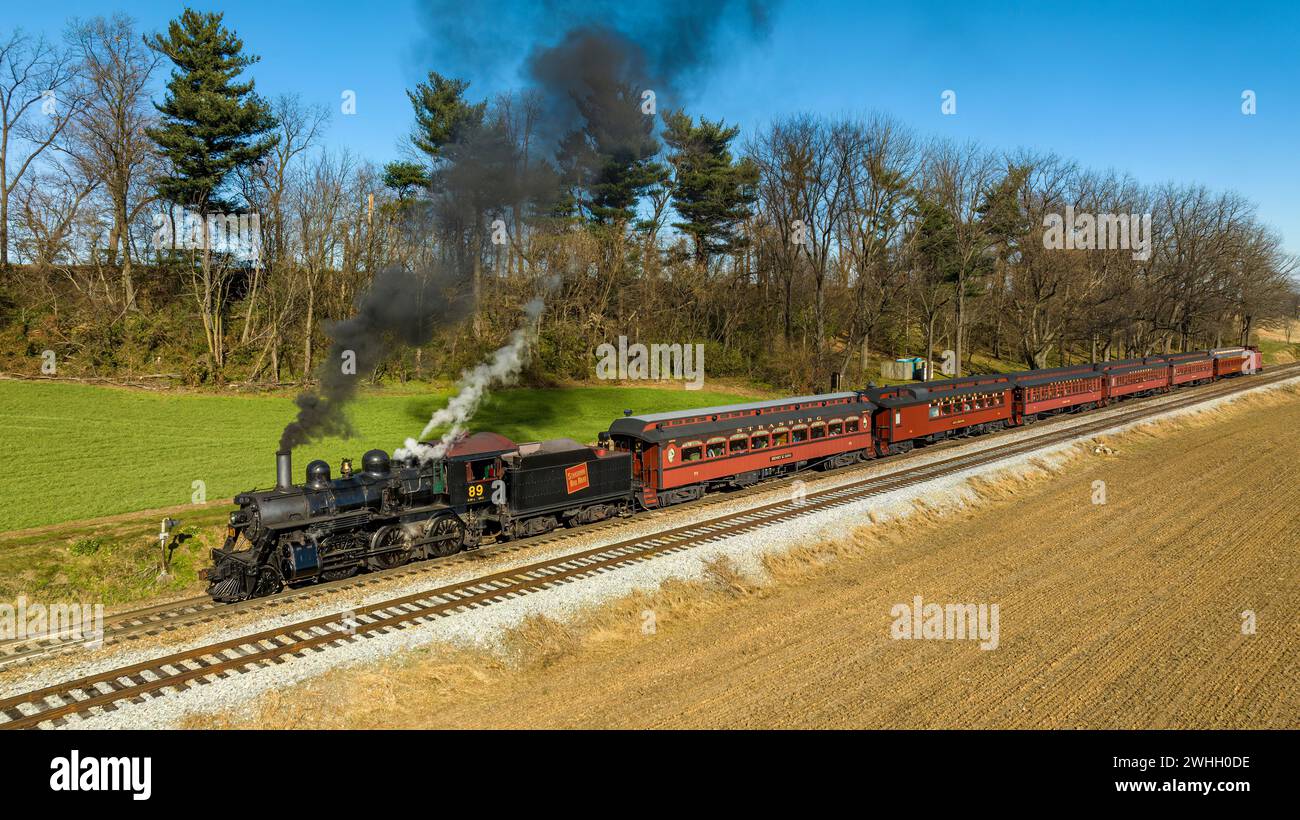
column 656, row 426
column 772, row 404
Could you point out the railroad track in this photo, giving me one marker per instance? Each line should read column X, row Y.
column 149, row 622
column 56, row 705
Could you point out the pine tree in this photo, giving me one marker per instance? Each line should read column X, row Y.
column 442, row 114
column 403, row 177
column 711, row 192
column 609, row 164
column 212, row 123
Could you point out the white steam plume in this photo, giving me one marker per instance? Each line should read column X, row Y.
column 502, row 367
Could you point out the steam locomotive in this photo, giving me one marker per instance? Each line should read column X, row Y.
column 395, row 511
column 486, row 486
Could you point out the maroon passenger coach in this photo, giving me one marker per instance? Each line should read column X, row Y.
column 680, row 456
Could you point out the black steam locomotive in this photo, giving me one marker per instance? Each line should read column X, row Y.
column 394, row 511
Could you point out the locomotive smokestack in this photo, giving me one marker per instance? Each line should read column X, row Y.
column 283, row 470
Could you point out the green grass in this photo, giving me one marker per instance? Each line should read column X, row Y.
column 81, row 451
column 1277, row 351
column 108, row 570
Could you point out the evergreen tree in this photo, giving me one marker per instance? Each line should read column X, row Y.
column 609, row 164
column 711, row 192
column 442, row 114
column 1000, row 215
column 402, row 177
column 211, row 122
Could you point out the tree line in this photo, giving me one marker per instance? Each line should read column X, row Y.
column 806, row 251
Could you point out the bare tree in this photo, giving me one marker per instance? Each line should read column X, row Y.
column 108, row 133
column 317, row 197
column 264, row 187
column 881, row 170
column 38, row 98
column 959, row 177
column 49, row 203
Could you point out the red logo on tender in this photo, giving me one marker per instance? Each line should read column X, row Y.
column 575, row 478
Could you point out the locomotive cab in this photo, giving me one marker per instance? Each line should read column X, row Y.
column 472, row 465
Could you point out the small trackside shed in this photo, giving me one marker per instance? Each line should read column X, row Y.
column 679, row 455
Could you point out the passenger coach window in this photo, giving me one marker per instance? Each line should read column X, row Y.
column 819, row 430
column 739, row 445
column 761, row 440
column 835, row 428
column 780, row 439
column 692, row 453
column 717, row 448
column 850, row 425
column 800, row 434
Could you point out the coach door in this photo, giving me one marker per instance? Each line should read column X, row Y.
column 649, row 468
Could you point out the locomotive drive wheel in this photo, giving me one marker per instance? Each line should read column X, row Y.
column 448, row 536
column 395, row 546
column 267, row 582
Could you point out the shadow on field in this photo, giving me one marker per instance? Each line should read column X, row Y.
column 513, row 413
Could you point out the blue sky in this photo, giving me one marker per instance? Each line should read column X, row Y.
column 1153, row 89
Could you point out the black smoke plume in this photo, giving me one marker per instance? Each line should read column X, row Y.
column 588, row 62
column 675, row 40
column 400, row 307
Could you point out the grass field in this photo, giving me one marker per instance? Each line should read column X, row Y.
column 80, row 451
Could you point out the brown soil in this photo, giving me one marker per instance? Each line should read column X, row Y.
column 1127, row 614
